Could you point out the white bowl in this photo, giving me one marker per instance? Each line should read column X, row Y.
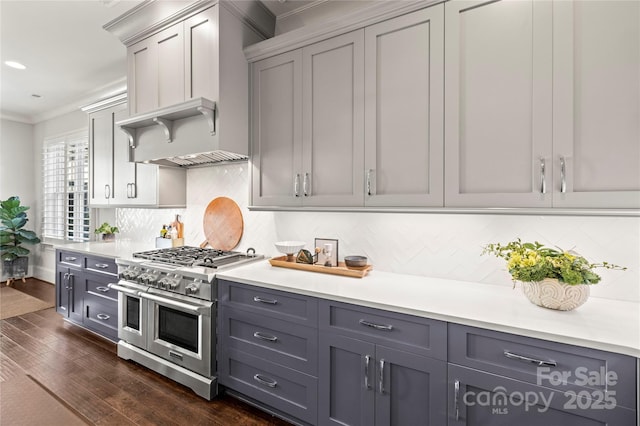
column 289, row 247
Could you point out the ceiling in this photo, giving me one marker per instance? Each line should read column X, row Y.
column 71, row 60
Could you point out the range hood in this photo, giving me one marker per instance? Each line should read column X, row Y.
column 181, row 135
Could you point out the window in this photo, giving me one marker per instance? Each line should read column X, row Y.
column 66, row 212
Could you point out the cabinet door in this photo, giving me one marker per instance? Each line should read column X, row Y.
column 124, row 171
column 276, row 130
column 477, row 398
column 201, row 55
column 333, row 120
column 596, row 104
column 410, row 389
column 156, row 71
column 346, row 381
column 498, row 103
column 404, row 60
column 101, row 157
column 76, row 295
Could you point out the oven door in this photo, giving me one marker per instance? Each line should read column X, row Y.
column 180, row 330
column 132, row 313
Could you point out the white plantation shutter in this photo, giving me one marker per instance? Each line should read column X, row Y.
column 66, row 213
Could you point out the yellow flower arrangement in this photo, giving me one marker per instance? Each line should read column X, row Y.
column 535, row 262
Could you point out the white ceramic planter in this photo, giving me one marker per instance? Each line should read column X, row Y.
column 553, row 294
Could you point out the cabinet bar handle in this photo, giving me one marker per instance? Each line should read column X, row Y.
column 267, row 382
column 539, row 362
column 262, row 336
column 102, row 289
column 305, row 185
column 267, row 301
column 107, row 191
column 70, row 259
column 543, row 182
column 367, row 361
column 381, row 376
column 296, row 185
column 376, row 326
column 563, row 174
column 103, row 317
column 369, row 172
column 65, row 278
column 456, row 398
column 102, row 265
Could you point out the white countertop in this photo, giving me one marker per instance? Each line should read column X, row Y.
column 117, row 248
column 600, row 323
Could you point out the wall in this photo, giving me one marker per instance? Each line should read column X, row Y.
column 16, row 168
column 435, row 245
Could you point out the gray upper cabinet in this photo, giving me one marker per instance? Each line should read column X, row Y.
column 308, row 141
column 596, row 104
column 542, row 104
column 277, row 130
column 404, row 60
column 116, row 181
column 498, row 145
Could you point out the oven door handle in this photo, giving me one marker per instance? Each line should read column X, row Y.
column 199, row 310
column 124, row 290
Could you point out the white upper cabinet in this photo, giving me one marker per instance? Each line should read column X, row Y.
column 332, row 121
column 404, row 60
column 276, row 107
column 498, row 134
column 596, row 104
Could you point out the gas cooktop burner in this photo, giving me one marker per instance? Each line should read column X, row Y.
column 187, row 256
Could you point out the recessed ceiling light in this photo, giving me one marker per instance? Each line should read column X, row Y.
column 14, row 64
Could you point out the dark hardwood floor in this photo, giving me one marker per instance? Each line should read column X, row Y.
column 85, row 373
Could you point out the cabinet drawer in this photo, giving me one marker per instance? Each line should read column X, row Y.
column 544, row 363
column 406, row 332
column 70, row 258
column 279, row 304
column 484, row 399
column 97, row 285
column 283, row 342
column 282, row 388
column 101, row 316
column 103, row 265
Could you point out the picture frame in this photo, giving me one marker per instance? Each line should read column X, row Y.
column 322, row 257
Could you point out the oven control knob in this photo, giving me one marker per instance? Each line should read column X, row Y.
column 192, row 288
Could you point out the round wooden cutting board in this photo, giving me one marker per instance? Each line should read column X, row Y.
column 223, row 224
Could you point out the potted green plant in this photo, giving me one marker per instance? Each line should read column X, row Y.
column 13, row 236
column 108, row 232
column 555, row 279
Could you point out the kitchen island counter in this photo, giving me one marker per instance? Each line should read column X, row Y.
column 604, row 324
column 115, row 249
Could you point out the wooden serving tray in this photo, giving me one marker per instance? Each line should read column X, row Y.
column 341, row 269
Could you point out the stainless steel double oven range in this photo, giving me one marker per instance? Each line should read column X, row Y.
column 167, row 312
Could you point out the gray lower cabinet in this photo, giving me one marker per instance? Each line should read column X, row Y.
column 380, row 368
column 82, row 292
column 268, row 351
column 502, row 379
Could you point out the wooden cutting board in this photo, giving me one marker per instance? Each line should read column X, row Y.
column 223, row 224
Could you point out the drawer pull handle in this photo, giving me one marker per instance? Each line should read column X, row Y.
column 267, row 382
column 102, row 289
column 367, row 361
column 541, row 363
column 102, row 265
column 103, row 317
column 263, row 336
column 456, row 398
column 70, row 259
column 267, row 301
column 376, row 326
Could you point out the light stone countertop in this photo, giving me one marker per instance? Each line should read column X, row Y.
column 117, row 248
column 600, row 323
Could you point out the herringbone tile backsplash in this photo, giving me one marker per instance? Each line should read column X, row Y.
column 434, row 245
